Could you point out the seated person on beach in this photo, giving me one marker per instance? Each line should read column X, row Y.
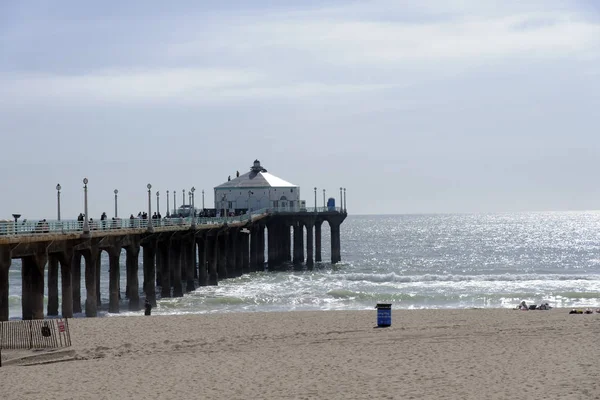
column 544, row 306
column 523, row 306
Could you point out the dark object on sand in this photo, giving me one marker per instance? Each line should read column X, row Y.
column 148, row 308
column 384, row 315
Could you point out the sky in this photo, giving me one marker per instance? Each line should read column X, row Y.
column 414, row 107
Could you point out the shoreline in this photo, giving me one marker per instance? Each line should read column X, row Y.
column 103, row 312
column 426, row 353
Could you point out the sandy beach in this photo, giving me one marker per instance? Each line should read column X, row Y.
column 425, row 354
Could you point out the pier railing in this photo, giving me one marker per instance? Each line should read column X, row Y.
column 26, row 227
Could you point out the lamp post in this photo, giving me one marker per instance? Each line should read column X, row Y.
column 341, row 200
column 315, row 199
column 192, row 190
column 167, row 203
column 86, row 225
column 149, row 186
column 190, row 198
column 345, row 209
column 203, row 200
column 157, row 203
column 324, row 200
column 175, row 203
column 116, row 192
column 183, row 197
column 58, row 200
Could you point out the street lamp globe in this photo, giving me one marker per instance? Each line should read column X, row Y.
column 116, row 191
column 85, row 181
column 58, row 187
column 149, row 186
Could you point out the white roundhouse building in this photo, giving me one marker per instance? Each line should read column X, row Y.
column 256, row 189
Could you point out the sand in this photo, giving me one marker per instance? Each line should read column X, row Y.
column 425, row 354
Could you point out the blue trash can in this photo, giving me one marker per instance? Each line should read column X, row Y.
column 384, row 315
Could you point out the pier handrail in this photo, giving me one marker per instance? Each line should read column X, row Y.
column 36, row 227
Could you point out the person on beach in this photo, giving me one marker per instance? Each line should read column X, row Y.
column 147, row 307
column 523, row 306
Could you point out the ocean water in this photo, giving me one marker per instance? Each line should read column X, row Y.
column 415, row 261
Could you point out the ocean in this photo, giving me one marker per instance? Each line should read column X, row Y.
column 413, row 261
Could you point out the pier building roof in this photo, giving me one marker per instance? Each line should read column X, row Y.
column 257, row 177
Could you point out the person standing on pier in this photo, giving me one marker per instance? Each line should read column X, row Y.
column 103, row 220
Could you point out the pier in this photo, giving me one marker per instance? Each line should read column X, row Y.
column 178, row 254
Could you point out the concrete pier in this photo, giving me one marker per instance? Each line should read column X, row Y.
column 65, row 259
column 5, row 262
column 132, row 265
column 114, row 254
column 201, row 245
column 76, row 281
column 175, row 265
column 52, row 285
column 212, row 254
column 177, row 257
column 90, row 256
column 191, row 272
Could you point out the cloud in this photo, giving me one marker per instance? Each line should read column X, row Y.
column 128, row 85
column 323, row 51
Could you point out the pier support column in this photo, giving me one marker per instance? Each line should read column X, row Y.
column 33, row 279
column 309, row 245
column 279, row 244
column 183, row 261
column 91, row 258
column 287, row 243
column 335, row 243
column 212, row 252
column 159, row 265
column 232, row 254
column 148, row 258
column 318, row 225
column 222, row 255
column 133, row 285
column 52, row 309
column 189, row 247
column 163, row 267
column 98, row 278
column 76, row 281
column 272, row 243
column 66, row 281
column 5, row 261
column 175, row 250
column 244, row 252
column 202, row 267
column 298, row 242
column 114, row 274
column 254, row 248
column 261, row 248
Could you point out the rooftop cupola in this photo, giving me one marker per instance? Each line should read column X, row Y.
column 256, row 167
